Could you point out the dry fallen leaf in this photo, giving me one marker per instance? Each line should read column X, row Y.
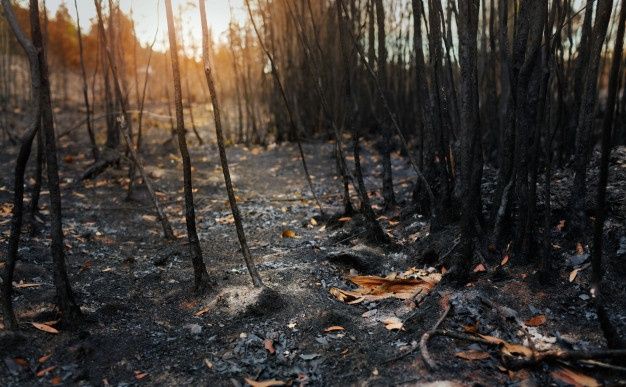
column 580, row 250
column 269, row 345
column 228, row 219
column 492, row 339
column 505, row 260
column 473, row 355
column 344, row 219
column 45, row 371
column 21, row 362
column 471, row 328
column 264, row 383
column 23, row 285
column 289, row 233
column 536, row 321
column 511, row 349
column 393, row 323
column 55, row 381
column 140, row 375
column 149, row 218
column 44, row 358
column 571, row 377
column 45, row 328
column 378, row 288
column 86, row 266
column 573, row 274
column 208, row 363
column 334, row 328
column 479, row 268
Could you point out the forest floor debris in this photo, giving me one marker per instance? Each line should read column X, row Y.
column 145, row 326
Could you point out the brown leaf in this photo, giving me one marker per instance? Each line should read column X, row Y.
column 45, row 328
column 516, row 350
column 68, row 159
column 573, row 378
column 289, row 233
column 573, row 275
column 202, row 311
column 23, row 285
column 536, row 321
column 21, row 362
column 334, row 328
column 86, row 266
column 580, row 250
column 45, row 371
column 479, row 268
column 228, row 219
column 471, row 328
column 344, row 219
column 393, row 323
column 561, row 225
column 265, row 383
column 473, row 355
column 140, row 375
column 378, row 288
column 505, row 260
column 492, row 339
column 269, row 345
column 149, row 218
column 44, row 358
column 55, row 381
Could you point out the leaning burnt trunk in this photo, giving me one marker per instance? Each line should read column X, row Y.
column 256, row 278
column 70, row 312
column 201, row 277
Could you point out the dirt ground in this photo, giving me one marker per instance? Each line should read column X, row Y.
column 144, row 325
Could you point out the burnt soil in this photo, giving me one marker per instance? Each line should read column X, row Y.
column 144, row 325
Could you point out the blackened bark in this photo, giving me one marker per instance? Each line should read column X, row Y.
column 578, row 218
column 70, row 312
column 471, row 162
column 201, row 277
column 20, row 167
column 610, row 333
column 385, row 133
column 256, row 278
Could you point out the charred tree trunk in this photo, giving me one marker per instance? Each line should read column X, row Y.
column 70, row 312
column 388, row 194
column 201, row 277
column 471, row 162
column 612, row 337
column 375, row 231
column 256, row 278
column 20, row 167
column 584, row 130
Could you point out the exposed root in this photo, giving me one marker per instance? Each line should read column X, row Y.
column 426, row 336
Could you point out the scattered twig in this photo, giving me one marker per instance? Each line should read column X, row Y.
column 426, row 336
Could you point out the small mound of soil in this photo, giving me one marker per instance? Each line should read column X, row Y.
column 245, row 301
